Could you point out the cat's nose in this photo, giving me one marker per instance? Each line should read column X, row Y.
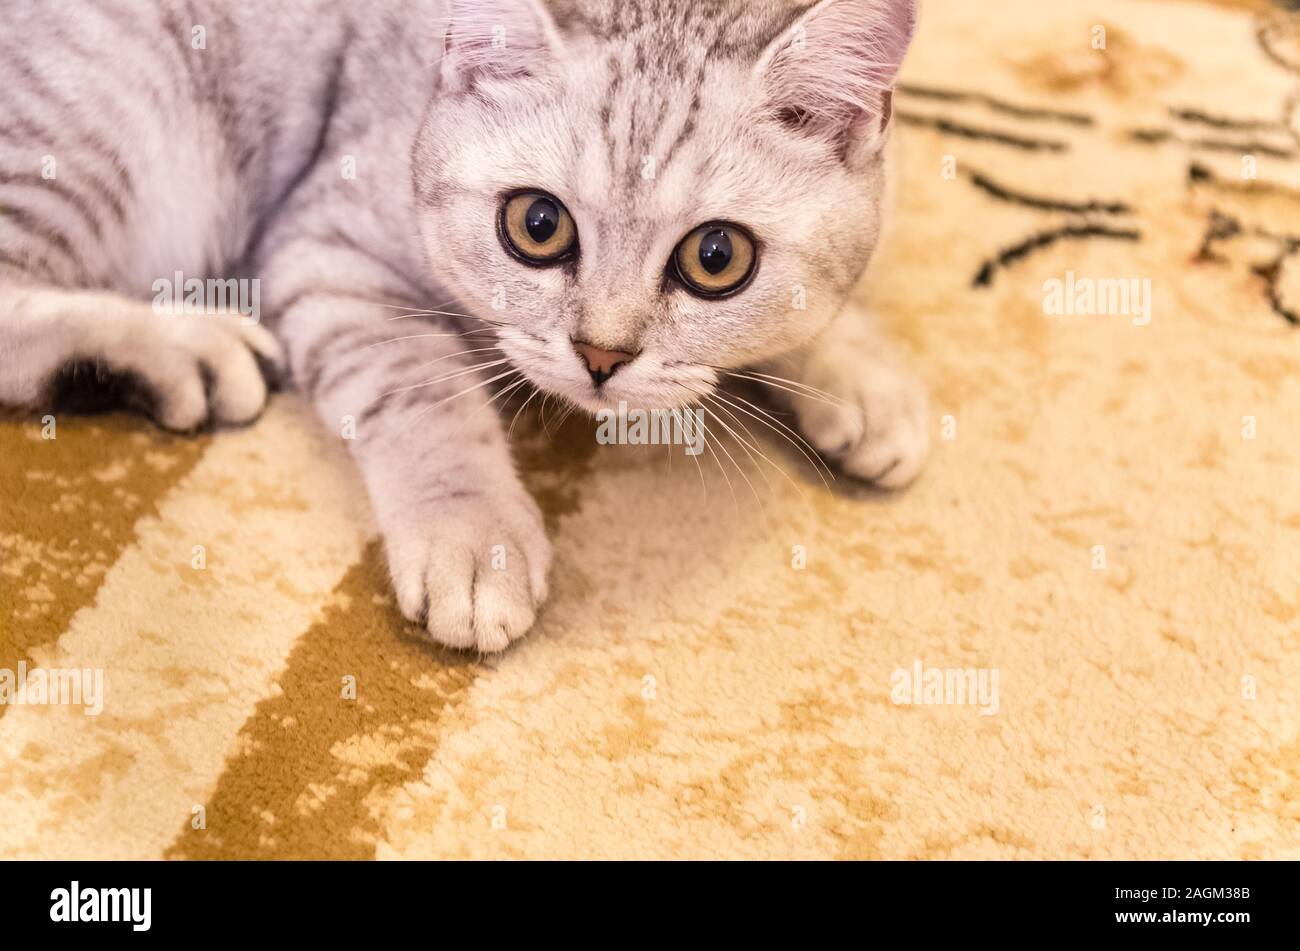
column 601, row 363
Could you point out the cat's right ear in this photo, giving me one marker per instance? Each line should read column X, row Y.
column 831, row 74
column 495, row 40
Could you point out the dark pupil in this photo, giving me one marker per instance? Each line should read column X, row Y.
column 715, row 252
column 542, row 220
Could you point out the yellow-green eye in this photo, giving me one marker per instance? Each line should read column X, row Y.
column 715, row 259
column 538, row 228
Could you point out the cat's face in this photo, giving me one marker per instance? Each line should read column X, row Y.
column 694, row 192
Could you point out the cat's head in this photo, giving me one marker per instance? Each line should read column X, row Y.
column 640, row 193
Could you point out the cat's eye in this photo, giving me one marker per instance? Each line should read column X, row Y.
column 537, row 228
column 716, row 259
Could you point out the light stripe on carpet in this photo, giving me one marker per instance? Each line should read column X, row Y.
column 186, row 654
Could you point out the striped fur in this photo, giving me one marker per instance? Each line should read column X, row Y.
column 351, row 159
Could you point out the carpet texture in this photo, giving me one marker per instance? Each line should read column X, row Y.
column 1108, row 532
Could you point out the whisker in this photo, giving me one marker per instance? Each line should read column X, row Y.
column 704, row 487
column 708, row 445
column 810, row 454
column 379, row 303
column 457, row 353
column 781, row 469
column 806, row 391
column 414, row 310
column 448, row 313
column 569, row 409
column 567, row 413
column 546, row 398
column 744, row 444
column 456, row 396
column 380, row 343
column 437, row 310
column 807, row 387
column 699, row 467
column 450, row 376
column 495, row 397
column 736, row 465
column 531, row 396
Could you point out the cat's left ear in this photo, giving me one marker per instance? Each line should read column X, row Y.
column 497, row 39
column 832, row 73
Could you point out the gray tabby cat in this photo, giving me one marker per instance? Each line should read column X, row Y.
column 630, row 197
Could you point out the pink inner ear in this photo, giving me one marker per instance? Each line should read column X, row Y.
column 497, row 38
column 899, row 18
column 841, row 61
column 886, row 109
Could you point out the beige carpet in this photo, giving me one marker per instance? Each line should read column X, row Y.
column 691, row 693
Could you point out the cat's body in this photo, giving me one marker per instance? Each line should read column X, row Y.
column 352, row 158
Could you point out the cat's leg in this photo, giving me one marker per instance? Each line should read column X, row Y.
column 109, row 177
column 873, row 419
column 183, row 370
column 466, row 546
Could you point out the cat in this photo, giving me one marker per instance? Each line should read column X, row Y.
column 614, row 201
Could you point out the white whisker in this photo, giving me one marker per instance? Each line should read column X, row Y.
column 450, row 376
column 457, row 353
column 754, row 445
column 804, row 390
column 531, row 396
column 456, row 396
column 379, row 303
column 495, row 397
column 810, row 454
column 448, row 313
column 380, row 343
column 737, row 466
column 708, row 445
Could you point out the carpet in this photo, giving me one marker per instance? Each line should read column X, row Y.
column 1077, row 636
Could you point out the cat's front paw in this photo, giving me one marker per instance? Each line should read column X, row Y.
column 875, row 426
column 184, row 372
column 471, row 569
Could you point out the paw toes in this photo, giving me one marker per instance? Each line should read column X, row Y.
column 873, row 468
column 466, row 598
column 503, row 609
column 537, row 563
column 447, row 605
column 272, row 373
column 879, row 434
column 181, row 371
column 831, row 429
column 238, row 389
column 471, row 573
column 268, row 353
column 182, row 402
column 891, row 462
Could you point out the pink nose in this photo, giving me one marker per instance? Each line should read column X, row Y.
column 601, row 363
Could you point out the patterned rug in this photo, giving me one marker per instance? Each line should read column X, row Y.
column 1077, row 636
